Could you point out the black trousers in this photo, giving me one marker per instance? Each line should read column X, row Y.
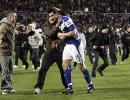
column 89, row 53
column 112, row 53
column 48, row 59
column 41, row 51
column 100, row 53
column 20, row 53
column 35, row 57
column 125, row 54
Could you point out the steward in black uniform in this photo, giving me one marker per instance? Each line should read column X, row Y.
column 112, row 46
column 99, row 42
column 126, row 44
column 89, row 32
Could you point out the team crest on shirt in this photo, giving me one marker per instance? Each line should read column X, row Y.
column 68, row 23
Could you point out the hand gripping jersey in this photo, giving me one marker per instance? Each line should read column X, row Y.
column 67, row 25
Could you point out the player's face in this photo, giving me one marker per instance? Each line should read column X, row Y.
column 53, row 17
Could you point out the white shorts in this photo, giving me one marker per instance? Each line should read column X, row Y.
column 71, row 52
column 82, row 50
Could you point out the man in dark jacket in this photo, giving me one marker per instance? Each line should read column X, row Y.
column 89, row 32
column 20, row 49
column 54, row 48
column 126, row 44
column 99, row 41
column 112, row 46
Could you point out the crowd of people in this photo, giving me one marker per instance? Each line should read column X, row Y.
column 37, row 9
column 116, row 6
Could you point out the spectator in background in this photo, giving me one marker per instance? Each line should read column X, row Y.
column 20, row 46
column 126, row 44
column 35, row 41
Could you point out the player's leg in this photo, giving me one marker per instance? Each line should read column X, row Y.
column 87, row 77
column 80, row 59
column 66, row 62
column 58, row 58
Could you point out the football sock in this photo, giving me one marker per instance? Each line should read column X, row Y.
column 87, row 76
column 67, row 75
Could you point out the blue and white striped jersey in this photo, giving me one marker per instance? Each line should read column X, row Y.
column 68, row 25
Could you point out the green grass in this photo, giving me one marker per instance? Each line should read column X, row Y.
column 115, row 85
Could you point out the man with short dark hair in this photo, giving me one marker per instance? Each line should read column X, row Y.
column 125, row 39
column 54, row 48
column 7, row 32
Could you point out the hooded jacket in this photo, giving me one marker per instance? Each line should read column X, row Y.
column 7, row 32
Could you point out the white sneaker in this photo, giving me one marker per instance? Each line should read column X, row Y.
column 12, row 91
column 40, row 60
column 32, row 66
column 4, row 91
column 121, row 62
column 23, row 66
column 39, row 68
column 15, row 66
column 37, row 91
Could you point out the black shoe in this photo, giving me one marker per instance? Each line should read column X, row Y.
column 65, row 86
column 100, row 72
column 68, row 91
column 93, row 75
column 91, row 88
column 113, row 63
column 26, row 66
column 35, row 67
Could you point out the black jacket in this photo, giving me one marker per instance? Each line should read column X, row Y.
column 126, row 39
column 87, row 36
column 99, row 39
column 49, row 36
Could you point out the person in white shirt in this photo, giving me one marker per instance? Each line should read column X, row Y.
column 35, row 40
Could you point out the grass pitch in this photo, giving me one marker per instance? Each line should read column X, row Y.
column 115, row 85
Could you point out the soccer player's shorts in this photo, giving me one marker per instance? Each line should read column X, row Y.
column 82, row 51
column 71, row 52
